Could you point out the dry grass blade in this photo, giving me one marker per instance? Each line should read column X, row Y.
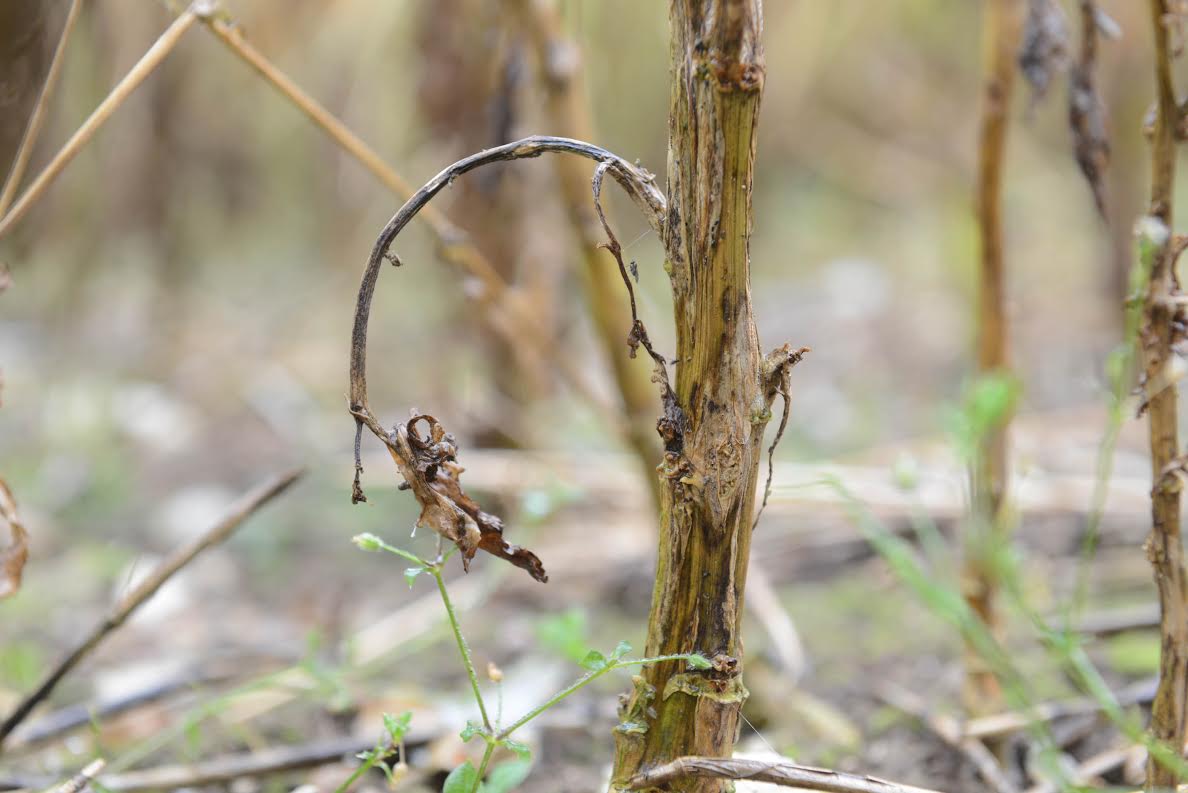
column 37, row 118
column 112, row 102
column 787, row 774
column 16, row 553
column 237, row 513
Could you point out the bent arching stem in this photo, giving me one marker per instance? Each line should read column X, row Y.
column 635, row 181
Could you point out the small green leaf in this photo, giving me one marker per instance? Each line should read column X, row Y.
column 621, row 649
column 594, row 661
column 698, row 661
column 469, row 731
column 368, row 542
column 507, row 776
column 397, row 726
column 522, row 750
column 461, row 780
column 411, row 573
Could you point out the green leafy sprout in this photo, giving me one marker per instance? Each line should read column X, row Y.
column 466, row 778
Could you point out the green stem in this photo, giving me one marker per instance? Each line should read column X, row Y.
column 463, row 649
column 403, row 554
column 581, row 683
column 482, row 769
column 368, row 763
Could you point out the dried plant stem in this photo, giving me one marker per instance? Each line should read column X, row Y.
column 453, row 245
column 1158, row 335
column 785, row 773
column 82, row 780
column 237, row 513
column 112, row 102
column 635, row 181
column 225, row 768
column 559, row 64
column 713, row 425
column 37, row 117
column 989, row 474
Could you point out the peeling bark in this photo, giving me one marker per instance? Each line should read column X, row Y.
column 713, row 439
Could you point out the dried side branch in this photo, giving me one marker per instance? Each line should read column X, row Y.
column 429, row 466
column 560, row 66
column 786, row 773
column 672, row 424
column 16, row 553
column 237, row 513
column 37, row 117
column 1086, row 110
column 112, row 102
column 777, row 378
column 637, row 182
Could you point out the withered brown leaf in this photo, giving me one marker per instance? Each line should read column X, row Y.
column 1086, row 110
column 16, row 553
column 430, row 468
column 1044, row 49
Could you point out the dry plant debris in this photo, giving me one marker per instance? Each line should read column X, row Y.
column 16, row 553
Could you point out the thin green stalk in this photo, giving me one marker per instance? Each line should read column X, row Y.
column 1122, row 370
column 581, row 683
column 463, row 648
column 482, row 769
column 367, row 764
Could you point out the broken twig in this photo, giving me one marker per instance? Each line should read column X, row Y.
column 237, row 513
column 787, row 774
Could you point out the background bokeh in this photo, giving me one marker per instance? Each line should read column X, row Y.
column 178, row 328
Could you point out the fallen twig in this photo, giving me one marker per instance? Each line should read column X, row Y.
column 123, row 89
column 787, row 774
column 949, row 730
column 224, row 768
column 1004, row 723
column 37, row 117
column 82, row 780
column 1115, row 621
column 237, row 513
column 64, row 720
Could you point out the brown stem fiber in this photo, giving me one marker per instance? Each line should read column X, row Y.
column 989, row 474
column 1161, row 329
column 713, row 432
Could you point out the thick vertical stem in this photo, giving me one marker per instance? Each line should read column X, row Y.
column 989, row 474
column 1158, row 334
column 714, row 431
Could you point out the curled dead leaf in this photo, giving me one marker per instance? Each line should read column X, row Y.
column 1044, row 49
column 1086, row 110
column 16, row 553
column 431, row 471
